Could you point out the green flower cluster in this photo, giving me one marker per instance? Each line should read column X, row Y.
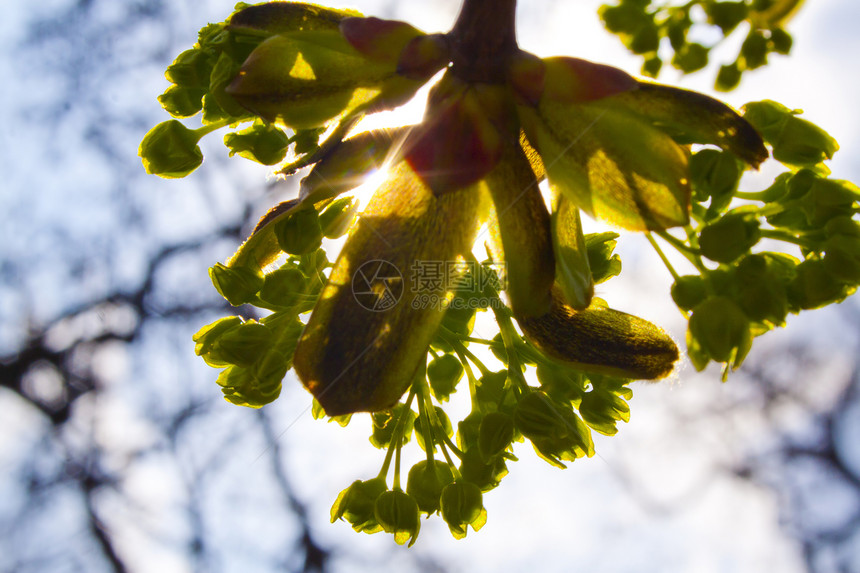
column 230, row 74
column 648, row 27
column 752, row 291
column 611, row 146
column 557, row 417
column 256, row 355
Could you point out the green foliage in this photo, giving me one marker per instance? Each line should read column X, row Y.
column 657, row 28
column 396, row 313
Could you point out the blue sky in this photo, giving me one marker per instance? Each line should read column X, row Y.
column 79, row 220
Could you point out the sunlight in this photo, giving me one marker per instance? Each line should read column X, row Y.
column 410, row 113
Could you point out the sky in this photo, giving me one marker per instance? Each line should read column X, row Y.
column 79, row 220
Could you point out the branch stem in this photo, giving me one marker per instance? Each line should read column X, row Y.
column 483, row 38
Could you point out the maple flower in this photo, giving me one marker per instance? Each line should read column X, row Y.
column 614, row 147
column 498, row 122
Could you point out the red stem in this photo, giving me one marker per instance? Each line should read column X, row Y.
column 483, row 39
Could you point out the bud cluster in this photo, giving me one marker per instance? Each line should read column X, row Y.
column 498, row 122
column 644, row 26
column 284, row 65
column 753, row 291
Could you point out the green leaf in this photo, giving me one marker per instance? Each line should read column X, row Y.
column 520, row 232
column 366, row 337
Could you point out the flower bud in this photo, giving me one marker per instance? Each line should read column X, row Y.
column 761, row 286
column 397, row 512
column 485, row 475
column 263, row 143
column 795, row 141
column 780, row 41
column 691, row 58
column 715, row 174
column 842, row 257
column 356, row 505
column 443, row 373
column 754, row 50
column 206, row 337
column 651, row 66
column 284, row 286
column 494, row 389
column 190, row 69
column 427, row 440
column 495, row 434
column 338, row 217
column 602, row 340
column 625, row 18
column 603, row 264
column 426, row 481
column 170, row 150
column 726, row 15
column 728, row 78
column 243, row 344
column 239, row 285
column 180, row 101
column 721, row 329
column 300, row 233
column 688, row 291
column 462, row 505
column 646, row 39
column 572, row 269
column 257, row 385
column 814, row 286
column 385, row 422
column 605, row 405
column 729, row 237
column 554, row 430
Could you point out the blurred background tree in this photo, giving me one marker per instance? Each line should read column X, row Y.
column 119, row 454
